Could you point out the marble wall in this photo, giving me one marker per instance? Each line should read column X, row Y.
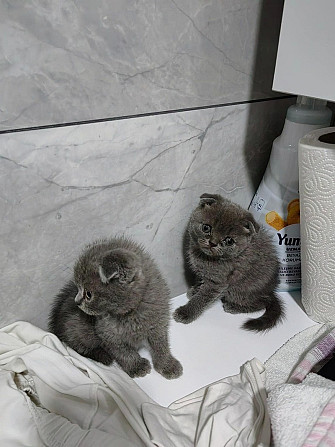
column 64, row 183
column 69, row 60
column 61, row 188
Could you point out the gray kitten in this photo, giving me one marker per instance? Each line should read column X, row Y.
column 117, row 301
column 233, row 260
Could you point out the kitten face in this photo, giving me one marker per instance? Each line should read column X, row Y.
column 106, row 284
column 96, row 298
column 221, row 229
column 91, row 298
column 86, row 299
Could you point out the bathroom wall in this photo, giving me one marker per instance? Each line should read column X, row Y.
column 69, row 61
column 115, row 117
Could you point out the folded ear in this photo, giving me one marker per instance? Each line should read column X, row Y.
column 209, row 199
column 107, row 273
column 251, row 226
column 119, row 264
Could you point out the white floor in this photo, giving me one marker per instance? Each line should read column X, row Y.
column 214, row 346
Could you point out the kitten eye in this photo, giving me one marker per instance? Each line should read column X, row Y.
column 88, row 295
column 206, row 228
column 229, row 241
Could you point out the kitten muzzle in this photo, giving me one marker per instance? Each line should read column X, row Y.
column 210, row 249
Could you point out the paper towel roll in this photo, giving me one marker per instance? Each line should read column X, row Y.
column 316, row 154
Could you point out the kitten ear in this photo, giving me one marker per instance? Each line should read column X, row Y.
column 209, row 199
column 120, row 264
column 128, row 275
column 251, row 226
column 106, row 276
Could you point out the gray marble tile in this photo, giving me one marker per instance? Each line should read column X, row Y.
column 62, row 188
column 83, row 60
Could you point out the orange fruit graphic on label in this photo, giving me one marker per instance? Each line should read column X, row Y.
column 293, row 216
column 272, row 218
column 293, row 212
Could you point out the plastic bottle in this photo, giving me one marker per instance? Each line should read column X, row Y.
column 276, row 202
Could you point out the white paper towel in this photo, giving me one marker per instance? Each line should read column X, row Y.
column 317, row 223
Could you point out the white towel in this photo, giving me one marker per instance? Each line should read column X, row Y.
column 296, row 409
column 302, row 410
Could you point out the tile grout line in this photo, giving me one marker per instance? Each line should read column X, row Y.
column 141, row 115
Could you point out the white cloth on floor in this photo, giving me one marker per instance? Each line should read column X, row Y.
column 52, row 396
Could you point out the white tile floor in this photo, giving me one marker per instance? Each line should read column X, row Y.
column 214, row 346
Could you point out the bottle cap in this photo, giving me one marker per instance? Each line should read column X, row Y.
column 310, row 111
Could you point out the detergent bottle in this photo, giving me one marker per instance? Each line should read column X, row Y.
column 276, row 202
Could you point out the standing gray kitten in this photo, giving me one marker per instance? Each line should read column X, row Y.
column 116, row 301
column 233, row 260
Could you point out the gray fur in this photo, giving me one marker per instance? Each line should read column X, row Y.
column 243, row 275
column 116, row 302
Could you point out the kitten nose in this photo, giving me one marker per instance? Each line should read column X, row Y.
column 212, row 244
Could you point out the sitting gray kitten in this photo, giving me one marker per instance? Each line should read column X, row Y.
column 233, row 260
column 116, row 301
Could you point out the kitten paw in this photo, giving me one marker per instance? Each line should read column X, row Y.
column 191, row 291
column 229, row 308
column 141, row 368
column 172, row 370
column 101, row 356
column 182, row 315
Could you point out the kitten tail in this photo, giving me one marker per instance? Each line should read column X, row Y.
column 274, row 314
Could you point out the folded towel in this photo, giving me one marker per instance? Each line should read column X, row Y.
column 302, row 410
column 296, row 410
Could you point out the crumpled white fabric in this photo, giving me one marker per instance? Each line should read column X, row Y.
column 51, row 396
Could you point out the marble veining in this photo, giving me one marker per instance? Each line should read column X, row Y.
column 62, row 188
column 70, row 61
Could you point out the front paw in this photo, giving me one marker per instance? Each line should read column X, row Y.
column 191, row 291
column 171, row 370
column 140, row 368
column 100, row 355
column 230, row 308
column 105, row 358
column 183, row 315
